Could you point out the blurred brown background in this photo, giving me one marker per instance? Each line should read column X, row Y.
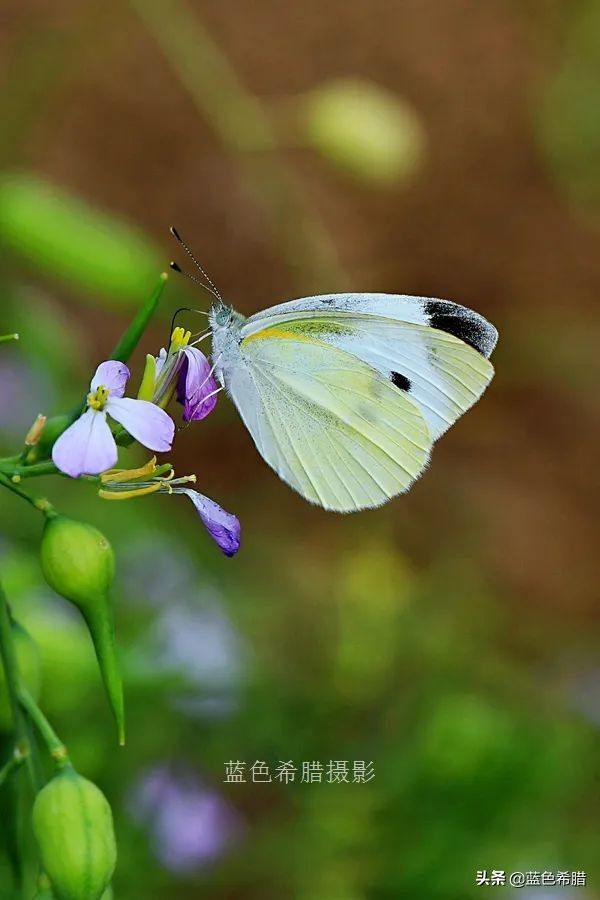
column 112, row 103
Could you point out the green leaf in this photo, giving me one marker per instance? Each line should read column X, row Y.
column 130, row 339
column 65, row 237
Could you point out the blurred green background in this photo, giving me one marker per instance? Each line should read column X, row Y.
column 442, row 149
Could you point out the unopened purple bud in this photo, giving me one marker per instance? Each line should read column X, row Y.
column 223, row 527
column 196, row 386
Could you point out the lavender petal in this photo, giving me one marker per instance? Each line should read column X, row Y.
column 146, row 422
column 87, row 447
column 113, row 375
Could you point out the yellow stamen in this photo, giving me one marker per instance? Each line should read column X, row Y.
column 129, row 495
column 129, row 474
column 180, row 338
column 97, row 399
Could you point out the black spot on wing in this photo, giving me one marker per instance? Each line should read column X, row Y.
column 401, row 381
column 463, row 324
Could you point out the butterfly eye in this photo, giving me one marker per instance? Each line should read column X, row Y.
column 224, row 315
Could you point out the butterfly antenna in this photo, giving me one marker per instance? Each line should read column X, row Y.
column 212, row 287
column 177, row 268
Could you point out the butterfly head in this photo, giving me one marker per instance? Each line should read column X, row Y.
column 222, row 315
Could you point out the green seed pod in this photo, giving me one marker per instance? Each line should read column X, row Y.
column 78, row 562
column 45, row 893
column 72, row 822
column 28, row 659
column 365, row 130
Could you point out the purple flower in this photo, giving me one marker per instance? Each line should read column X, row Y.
column 185, row 371
column 88, row 447
column 191, row 825
column 223, row 527
column 196, row 386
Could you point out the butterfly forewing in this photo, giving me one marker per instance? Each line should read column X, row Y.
column 443, row 373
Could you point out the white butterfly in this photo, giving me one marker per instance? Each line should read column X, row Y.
column 345, row 394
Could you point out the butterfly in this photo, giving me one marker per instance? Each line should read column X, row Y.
column 345, row 394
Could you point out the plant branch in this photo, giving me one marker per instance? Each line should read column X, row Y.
column 16, row 760
column 8, row 655
column 55, row 746
column 39, row 503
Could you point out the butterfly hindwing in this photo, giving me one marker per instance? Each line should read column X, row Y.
column 339, row 432
column 344, row 394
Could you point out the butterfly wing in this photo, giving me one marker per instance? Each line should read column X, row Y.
column 336, row 430
column 434, row 350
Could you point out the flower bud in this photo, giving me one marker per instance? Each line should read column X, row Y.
column 28, row 660
column 72, row 822
column 364, row 129
column 35, row 432
column 52, row 430
column 78, row 562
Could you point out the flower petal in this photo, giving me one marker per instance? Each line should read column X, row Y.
column 147, row 423
column 160, row 361
column 195, row 384
column 113, row 375
column 223, row 527
column 87, row 447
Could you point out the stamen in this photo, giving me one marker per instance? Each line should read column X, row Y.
column 97, row 399
column 202, row 338
column 127, row 492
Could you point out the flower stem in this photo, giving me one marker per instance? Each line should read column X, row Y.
column 8, row 337
column 9, row 658
column 8, row 655
column 9, row 469
column 39, row 503
column 55, row 746
column 18, row 757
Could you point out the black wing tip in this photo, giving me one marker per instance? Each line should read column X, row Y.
column 462, row 323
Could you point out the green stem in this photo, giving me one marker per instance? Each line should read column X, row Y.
column 8, row 337
column 10, row 467
column 131, row 337
column 247, row 133
column 39, row 503
column 9, row 470
column 8, row 655
column 18, row 757
column 55, row 746
column 9, row 661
